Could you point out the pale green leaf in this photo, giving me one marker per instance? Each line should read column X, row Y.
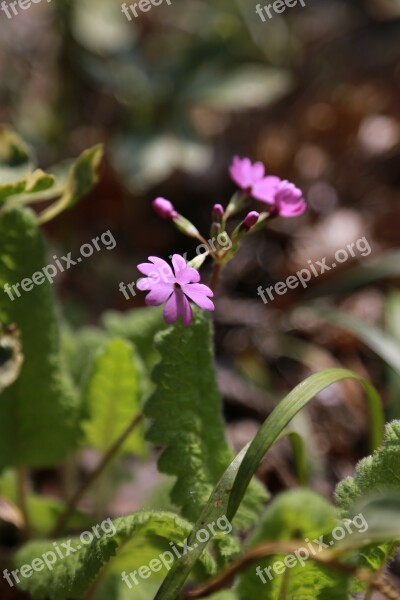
column 113, row 397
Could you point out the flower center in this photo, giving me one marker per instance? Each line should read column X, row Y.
column 177, row 286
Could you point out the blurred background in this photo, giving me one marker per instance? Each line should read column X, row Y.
column 174, row 94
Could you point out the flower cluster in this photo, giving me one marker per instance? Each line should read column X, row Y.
column 285, row 198
column 181, row 285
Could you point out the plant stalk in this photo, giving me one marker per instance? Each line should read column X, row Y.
column 105, row 461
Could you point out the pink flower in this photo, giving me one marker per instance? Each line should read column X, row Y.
column 164, row 208
column 286, row 198
column 174, row 287
column 251, row 178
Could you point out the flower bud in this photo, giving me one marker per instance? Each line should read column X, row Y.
column 218, row 212
column 164, row 208
column 250, row 220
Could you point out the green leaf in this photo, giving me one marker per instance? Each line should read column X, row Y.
column 381, row 471
column 186, row 415
column 380, row 342
column 17, row 175
column 228, row 493
column 112, row 398
column 284, row 413
column 375, row 476
column 16, row 160
column 39, row 411
column 32, row 184
column 80, row 349
column 43, row 511
column 392, row 325
column 11, row 357
column 81, row 179
column 380, row 512
column 294, row 515
column 72, row 576
column 249, row 86
column 138, row 326
column 384, row 267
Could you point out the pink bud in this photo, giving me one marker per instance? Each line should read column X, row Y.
column 164, row 208
column 250, row 220
column 218, row 212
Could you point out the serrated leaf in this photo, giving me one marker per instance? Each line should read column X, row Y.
column 376, row 474
column 381, row 471
column 186, row 415
column 112, row 398
column 73, row 575
column 39, row 411
column 81, row 179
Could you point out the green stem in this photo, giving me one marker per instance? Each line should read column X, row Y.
column 105, row 461
column 284, row 587
column 22, row 499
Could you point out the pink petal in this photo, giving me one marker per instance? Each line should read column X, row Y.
column 257, row 172
column 287, row 210
column 178, row 306
column 199, row 293
column 240, row 171
column 188, row 275
column 265, row 189
column 289, row 200
column 162, row 266
column 183, row 273
column 159, row 294
column 145, row 283
column 146, row 268
column 244, row 173
column 179, row 263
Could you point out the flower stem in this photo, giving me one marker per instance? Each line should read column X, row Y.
column 215, row 276
column 103, row 464
column 22, row 499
